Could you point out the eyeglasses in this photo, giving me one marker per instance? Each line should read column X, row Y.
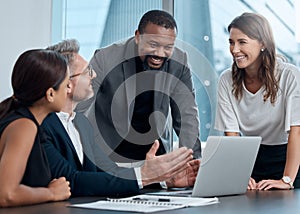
column 89, row 70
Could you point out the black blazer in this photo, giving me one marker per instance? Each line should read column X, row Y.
column 98, row 175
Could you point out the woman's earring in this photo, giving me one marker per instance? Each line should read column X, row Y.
column 262, row 50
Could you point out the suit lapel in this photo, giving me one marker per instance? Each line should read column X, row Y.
column 161, row 83
column 67, row 140
column 129, row 81
column 129, row 84
column 86, row 141
column 67, row 137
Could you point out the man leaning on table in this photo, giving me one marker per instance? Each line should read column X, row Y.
column 143, row 91
column 72, row 152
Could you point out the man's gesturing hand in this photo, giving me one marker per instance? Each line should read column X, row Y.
column 187, row 177
column 164, row 167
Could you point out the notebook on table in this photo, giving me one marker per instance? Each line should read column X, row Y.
column 226, row 166
column 147, row 203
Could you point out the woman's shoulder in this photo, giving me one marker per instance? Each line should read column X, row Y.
column 19, row 128
column 21, row 116
column 226, row 75
column 12, row 116
column 288, row 70
column 284, row 65
column 23, row 124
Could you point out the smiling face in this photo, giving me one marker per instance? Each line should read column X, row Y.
column 81, row 79
column 155, row 45
column 245, row 51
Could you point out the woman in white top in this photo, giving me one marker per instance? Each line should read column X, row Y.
column 260, row 96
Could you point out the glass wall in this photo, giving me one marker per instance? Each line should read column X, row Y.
column 202, row 33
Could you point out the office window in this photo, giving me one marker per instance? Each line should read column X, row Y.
column 202, row 32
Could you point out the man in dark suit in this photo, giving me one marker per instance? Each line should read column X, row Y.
column 143, row 91
column 72, row 152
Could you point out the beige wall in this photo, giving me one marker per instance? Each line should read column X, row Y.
column 25, row 24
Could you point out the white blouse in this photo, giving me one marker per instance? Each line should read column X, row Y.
column 252, row 116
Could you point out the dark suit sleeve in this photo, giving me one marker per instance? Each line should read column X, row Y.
column 83, row 182
column 94, row 157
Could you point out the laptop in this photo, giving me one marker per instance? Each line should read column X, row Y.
column 226, row 166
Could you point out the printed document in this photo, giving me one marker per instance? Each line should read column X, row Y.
column 147, row 203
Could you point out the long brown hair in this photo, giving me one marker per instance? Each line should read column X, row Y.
column 257, row 27
column 34, row 72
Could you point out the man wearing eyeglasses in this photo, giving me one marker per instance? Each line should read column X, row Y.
column 71, row 150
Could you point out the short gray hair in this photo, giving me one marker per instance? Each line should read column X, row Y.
column 67, row 48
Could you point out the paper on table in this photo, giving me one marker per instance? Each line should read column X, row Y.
column 130, row 205
column 187, row 201
column 147, row 203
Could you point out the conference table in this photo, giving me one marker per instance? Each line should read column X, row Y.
column 254, row 202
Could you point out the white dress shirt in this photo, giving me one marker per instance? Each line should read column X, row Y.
column 67, row 121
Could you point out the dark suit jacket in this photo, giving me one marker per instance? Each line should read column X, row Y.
column 111, row 109
column 86, row 179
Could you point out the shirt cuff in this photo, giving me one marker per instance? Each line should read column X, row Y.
column 163, row 185
column 138, row 175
